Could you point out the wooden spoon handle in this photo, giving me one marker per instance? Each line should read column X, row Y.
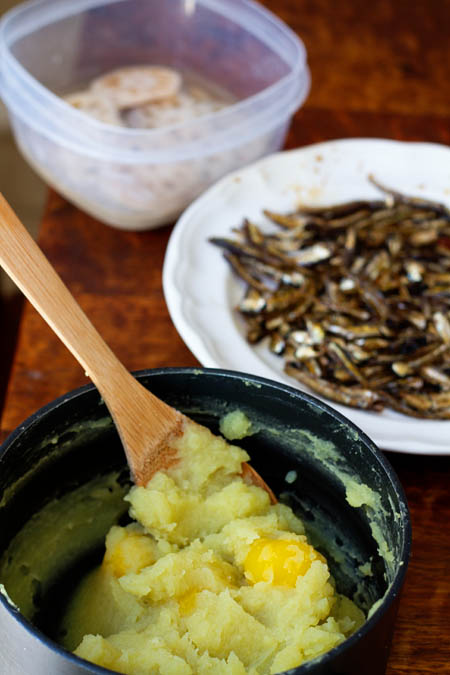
column 127, row 400
column 26, row 264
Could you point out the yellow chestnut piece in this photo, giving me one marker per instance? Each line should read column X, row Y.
column 129, row 555
column 279, row 561
column 187, row 602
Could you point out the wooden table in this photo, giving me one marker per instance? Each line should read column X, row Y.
column 379, row 69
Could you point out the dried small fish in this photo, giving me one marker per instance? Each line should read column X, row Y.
column 334, row 348
column 290, row 221
column 277, row 343
column 315, row 331
column 313, row 254
column 283, row 298
column 357, row 354
column 335, row 210
column 305, row 352
column 292, row 279
column 380, row 262
column 347, row 284
column 355, row 298
column 354, row 396
column 402, row 368
column 253, row 232
column 347, row 220
column 256, row 332
column 414, row 201
column 252, row 280
column 414, row 271
column 423, row 237
column 252, row 303
column 442, row 325
column 417, row 319
column 436, row 376
column 299, row 337
column 372, row 344
column 354, row 332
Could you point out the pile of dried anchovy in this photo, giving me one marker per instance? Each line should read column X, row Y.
column 356, row 298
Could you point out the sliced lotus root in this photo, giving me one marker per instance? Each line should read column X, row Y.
column 100, row 107
column 171, row 111
column 136, row 85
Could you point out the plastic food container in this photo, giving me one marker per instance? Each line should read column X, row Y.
column 141, row 178
column 72, row 440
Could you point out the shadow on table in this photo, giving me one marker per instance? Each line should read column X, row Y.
column 10, row 312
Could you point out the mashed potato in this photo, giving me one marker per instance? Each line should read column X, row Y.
column 211, row 578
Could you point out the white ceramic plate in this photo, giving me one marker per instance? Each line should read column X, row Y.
column 201, row 291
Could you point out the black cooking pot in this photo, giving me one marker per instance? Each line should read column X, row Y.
column 307, row 452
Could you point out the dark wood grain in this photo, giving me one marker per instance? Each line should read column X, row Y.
column 379, row 69
column 377, row 56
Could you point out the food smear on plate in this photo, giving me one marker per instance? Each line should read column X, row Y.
column 210, row 577
column 148, row 97
column 355, row 298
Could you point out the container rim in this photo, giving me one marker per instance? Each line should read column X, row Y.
column 222, row 140
column 396, row 584
column 96, row 138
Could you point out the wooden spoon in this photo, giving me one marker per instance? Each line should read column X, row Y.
column 146, row 424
